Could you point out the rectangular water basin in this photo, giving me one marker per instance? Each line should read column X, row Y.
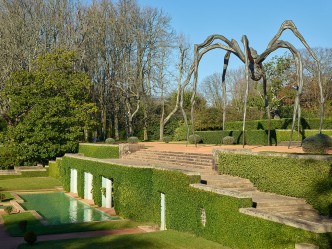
column 58, row 208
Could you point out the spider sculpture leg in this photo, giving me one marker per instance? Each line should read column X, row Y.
column 288, row 24
column 223, row 83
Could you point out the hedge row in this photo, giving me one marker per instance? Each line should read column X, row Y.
column 285, row 123
column 53, row 168
column 304, row 178
column 284, row 135
column 27, row 174
column 252, row 137
column 136, row 193
column 99, row 150
column 256, row 137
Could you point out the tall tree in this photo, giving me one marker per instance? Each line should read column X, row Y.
column 48, row 108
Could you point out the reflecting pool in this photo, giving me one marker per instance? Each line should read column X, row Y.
column 58, row 208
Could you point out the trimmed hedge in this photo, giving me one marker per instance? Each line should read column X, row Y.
column 304, row 178
column 284, row 135
column 136, row 193
column 27, row 174
column 252, row 137
column 285, row 123
column 53, row 169
column 99, row 150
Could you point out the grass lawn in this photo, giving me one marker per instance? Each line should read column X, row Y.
column 28, row 183
column 12, row 225
column 156, row 240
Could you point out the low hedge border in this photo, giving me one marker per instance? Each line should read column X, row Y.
column 136, row 193
column 298, row 176
column 27, row 174
column 99, row 150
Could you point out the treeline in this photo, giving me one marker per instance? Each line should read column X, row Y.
column 127, row 50
column 138, row 65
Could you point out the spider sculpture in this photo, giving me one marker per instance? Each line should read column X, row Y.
column 255, row 70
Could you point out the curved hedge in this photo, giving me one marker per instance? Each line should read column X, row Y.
column 137, row 196
column 99, row 150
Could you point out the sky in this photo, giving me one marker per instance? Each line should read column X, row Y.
column 259, row 20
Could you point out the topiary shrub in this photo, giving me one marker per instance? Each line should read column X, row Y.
column 110, row 140
column 228, row 140
column 8, row 209
column 132, row 140
column 317, row 144
column 30, row 237
column 166, row 139
column 195, row 138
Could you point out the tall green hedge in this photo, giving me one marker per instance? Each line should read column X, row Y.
column 99, row 150
column 137, row 191
column 305, row 178
column 285, row 123
column 284, row 135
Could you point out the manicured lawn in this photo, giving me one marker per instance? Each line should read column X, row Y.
column 157, row 240
column 28, row 183
column 12, row 225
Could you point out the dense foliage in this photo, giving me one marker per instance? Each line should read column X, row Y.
column 48, row 109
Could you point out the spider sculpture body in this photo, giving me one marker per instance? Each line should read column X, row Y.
column 254, row 68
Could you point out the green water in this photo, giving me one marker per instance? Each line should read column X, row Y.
column 58, row 208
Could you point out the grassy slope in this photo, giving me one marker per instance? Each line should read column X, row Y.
column 157, row 240
column 12, row 221
column 28, row 183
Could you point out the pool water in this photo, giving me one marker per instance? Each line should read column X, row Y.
column 58, row 208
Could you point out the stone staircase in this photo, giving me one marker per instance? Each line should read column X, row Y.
column 202, row 163
column 287, row 210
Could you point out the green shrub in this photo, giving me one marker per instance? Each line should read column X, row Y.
column 2, row 196
column 195, row 139
column 180, row 133
column 53, row 169
column 110, row 140
column 99, row 150
column 166, row 139
column 228, row 140
column 30, row 237
column 132, row 140
column 8, row 209
column 317, row 144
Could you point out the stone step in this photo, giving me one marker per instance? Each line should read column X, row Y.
column 221, row 191
column 319, row 225
column 190, row 159
column 285, row 207
column 161, row 152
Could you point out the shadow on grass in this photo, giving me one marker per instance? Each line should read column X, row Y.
column 114, row 242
